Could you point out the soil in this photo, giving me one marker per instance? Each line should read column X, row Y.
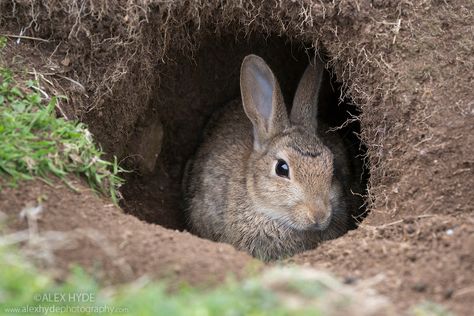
column 407, row 67
column 113, row 246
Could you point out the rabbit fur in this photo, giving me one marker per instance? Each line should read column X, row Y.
column 232, row 192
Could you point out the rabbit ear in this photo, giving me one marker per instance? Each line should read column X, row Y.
column 305, row 103
column 262, row 99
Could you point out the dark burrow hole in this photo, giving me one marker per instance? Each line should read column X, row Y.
column 186, row 93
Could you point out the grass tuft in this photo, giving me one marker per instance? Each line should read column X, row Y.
column 35, row 143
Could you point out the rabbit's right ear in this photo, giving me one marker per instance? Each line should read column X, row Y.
column 262, row 99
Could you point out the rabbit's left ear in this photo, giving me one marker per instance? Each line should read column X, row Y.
column 305, row 103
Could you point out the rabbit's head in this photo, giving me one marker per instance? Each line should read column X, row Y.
column 290, row 171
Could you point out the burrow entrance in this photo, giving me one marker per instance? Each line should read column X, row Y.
column 186, row 91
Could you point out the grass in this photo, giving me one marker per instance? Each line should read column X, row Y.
column 23, row 290
column 35, row 143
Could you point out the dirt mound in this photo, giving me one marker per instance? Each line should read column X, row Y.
column 407, row 66
column 114, row 246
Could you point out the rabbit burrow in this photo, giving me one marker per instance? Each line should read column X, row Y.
column 190, row 91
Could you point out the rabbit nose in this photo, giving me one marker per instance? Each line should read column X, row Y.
column 319, row 213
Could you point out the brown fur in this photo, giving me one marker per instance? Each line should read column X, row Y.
column 231, row 188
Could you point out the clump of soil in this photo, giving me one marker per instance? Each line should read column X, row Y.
column 406, row 65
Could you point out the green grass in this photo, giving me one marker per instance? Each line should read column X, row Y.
column 23, row 287
column 35, row 143
column 429, row 309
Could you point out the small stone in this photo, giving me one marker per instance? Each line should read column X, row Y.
column 412, row 257
column 448, row 293
column 147, row 145
column 410, row 229
column 419, row 287
column 350, row 279
column 66, row 61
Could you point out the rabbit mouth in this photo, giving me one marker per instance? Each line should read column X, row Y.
column 288, row 222
column 309, row 227
column 319, row 226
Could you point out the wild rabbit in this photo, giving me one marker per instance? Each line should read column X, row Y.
column 269, row 184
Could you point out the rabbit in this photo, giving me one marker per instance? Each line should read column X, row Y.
column 267, row 183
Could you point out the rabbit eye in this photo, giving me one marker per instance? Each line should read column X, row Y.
column 282, row 169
